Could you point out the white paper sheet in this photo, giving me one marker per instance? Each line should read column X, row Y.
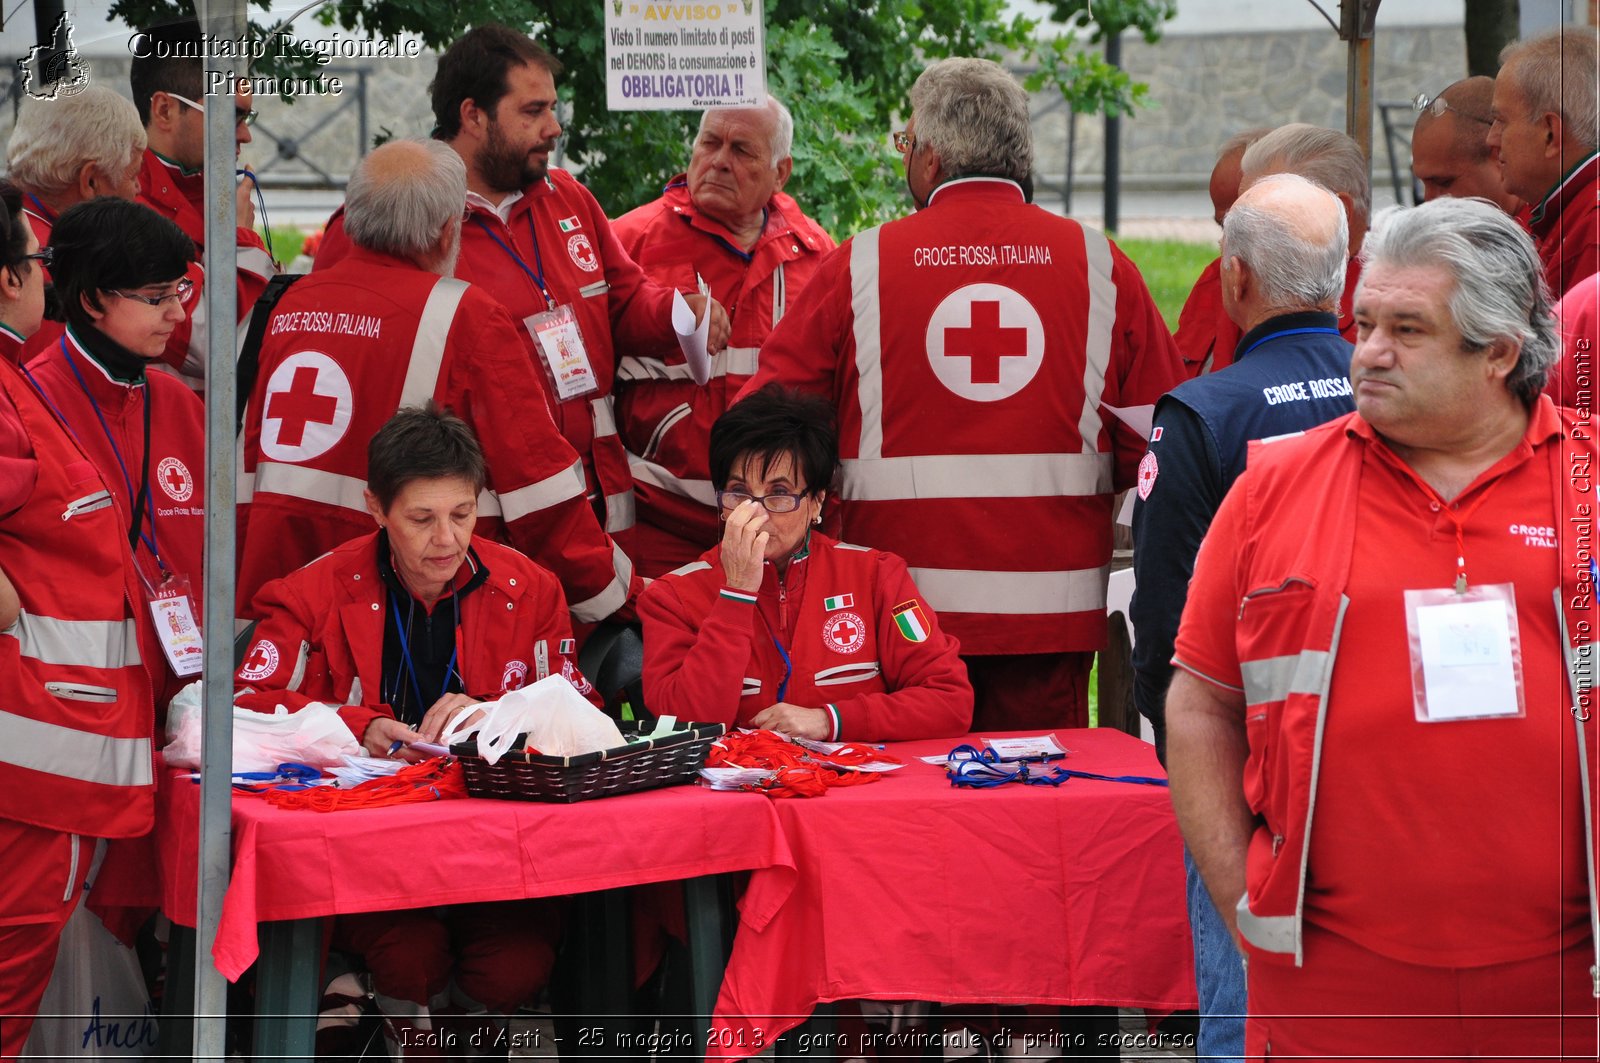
column 692, row 338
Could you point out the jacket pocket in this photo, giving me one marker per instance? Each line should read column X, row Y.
column 82, row 692
column 666, row 424
column 1274, row 620
column 87, row 504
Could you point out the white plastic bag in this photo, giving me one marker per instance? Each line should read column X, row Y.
column 314, row 735
column 558, row 720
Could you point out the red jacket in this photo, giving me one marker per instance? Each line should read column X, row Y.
column 180, row 197
column 1566, row 227
column 664, row 418
column 858, row 640
column 1297, row 552
column 618, row 308
column 75, row 733
column 177, row 465
column 971, row 350
column 321, row 633
column 344, row 350
column 1206, row 336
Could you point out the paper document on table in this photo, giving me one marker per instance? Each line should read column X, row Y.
column 692, row 338
column 1138, row 418
column 1032, row 747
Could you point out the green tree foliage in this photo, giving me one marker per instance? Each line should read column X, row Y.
column 842, row 66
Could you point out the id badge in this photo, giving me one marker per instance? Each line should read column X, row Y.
column 1466, row 654
column 172, row 609
column 566, row 360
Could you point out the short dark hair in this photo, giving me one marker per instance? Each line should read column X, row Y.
column 13, row 232
column 776, row 422
column 159, row 70
column 475, row 68
column 422, row 443
column 109, row 243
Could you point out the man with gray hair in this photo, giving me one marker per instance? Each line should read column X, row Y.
column 972, row 350
column 1547, row 129
column 725, row 226
column 1283, row 266
column 1389, row 613
column 387, row 327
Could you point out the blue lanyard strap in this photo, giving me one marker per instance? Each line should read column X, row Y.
column 788, row 669
column 536, row 272
column 422, row 707
column 982, row 769
column 1314, row 330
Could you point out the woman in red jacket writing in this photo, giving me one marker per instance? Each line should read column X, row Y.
column 779, row 626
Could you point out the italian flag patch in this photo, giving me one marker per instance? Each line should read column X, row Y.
column 568, row 224
column 567, row 646
column 842, row 601
column 912, row 624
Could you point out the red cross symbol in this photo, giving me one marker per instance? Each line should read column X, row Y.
column 844, row 631
column 258, row 659
column 176, row 480
column 986, row 342
column 300, row 406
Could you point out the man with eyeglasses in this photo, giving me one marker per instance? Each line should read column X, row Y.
column 972, row 350
column 170, row 95
column 1450, row 152
column 1546, row 128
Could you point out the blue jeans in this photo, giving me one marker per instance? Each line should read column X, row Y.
column 1218, row 975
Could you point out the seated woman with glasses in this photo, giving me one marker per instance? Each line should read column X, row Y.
column 781, row 627
column 118, row 269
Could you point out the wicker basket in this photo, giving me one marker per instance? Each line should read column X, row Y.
column 641, row 765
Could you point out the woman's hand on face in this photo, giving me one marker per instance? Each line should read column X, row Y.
column 744, row 546
column 381, row 735
column 795, row 720
column 443, row 713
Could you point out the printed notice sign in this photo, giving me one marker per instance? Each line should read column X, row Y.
column 664, row 56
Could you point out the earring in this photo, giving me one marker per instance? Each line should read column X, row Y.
column 817, row 519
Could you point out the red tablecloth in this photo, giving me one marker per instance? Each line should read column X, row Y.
column 299, row 864
column 910, row 889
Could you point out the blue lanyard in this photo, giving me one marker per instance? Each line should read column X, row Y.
column 44, row 211
column 788, row 669
column 1317, row 330
column 405, row 654
column 982, row 769
column 536, row 274
column 135, row 533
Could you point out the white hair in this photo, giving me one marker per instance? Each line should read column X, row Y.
column 397, row 205
column 1292, row 272
column 53, row 139
column 1326, row 156
column 974, row 116
column 1499, row 290
column 1556, row 72
column 782, row 128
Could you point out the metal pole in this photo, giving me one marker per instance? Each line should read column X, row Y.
column 1113, row 168
column 1356, row 19
column 222, row 19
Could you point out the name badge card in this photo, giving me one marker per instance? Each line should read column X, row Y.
column 565, row 359
column 172, row 609
column 1466, row 657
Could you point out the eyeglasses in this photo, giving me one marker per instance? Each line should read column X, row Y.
column 240, row 114
column 181, row 294
column 46, row 255
column 777, row 502
column 1438, row 105
column 904, row 142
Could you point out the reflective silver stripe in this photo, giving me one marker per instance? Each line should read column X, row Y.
column 1275, row 678
column 738, row 361
column 648, row 472
column 1321, row 694
column 609, row 600
column 604, row 413
column 541, row 659
column 780, row 295
column 76, row 643
column 851, row 546
column 977, row 476
column 1272, row 933
column 869, row 363
column 588, row 291
column 427, row 348
column 314, row 485
column 199, row 352
column 620, row 511
column 355, row 691
column 244, row 487
column 750, row 688
column 541, row 494
column 693, row 566
column 72, row 869
column 960, row 590
column 72, row 754
column 298, row 676
column 1097, row 344
column 846, row 673
column 676, row 414
column 256, row 261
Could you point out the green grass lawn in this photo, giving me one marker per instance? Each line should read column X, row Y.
column 1170, row 268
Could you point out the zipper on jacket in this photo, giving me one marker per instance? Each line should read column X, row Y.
column 81, row 692
column 783, row 607
column 87, row 504
column 72, row 869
